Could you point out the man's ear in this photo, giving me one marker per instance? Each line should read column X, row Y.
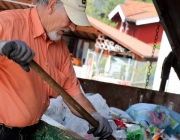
column 51, row 6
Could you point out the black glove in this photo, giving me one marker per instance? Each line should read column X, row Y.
column 19, row 52
column 104, row 129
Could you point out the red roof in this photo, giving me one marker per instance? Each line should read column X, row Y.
column 138, row 10
column 134, row 11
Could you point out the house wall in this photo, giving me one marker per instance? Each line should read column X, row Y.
column 119, row 26
column 145, row 33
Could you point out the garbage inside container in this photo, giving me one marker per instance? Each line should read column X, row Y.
column 139, row 122
column 160, row 116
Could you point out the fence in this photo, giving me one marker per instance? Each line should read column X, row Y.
column 118, row 68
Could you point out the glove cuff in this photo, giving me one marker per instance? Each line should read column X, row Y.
column 2, row 43
column 95, row 114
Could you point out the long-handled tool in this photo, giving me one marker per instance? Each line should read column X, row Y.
column 46, row 77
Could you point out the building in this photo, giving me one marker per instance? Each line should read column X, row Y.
column 137, row 19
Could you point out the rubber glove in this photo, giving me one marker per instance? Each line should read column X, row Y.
column 19, row 52
column 104, row 129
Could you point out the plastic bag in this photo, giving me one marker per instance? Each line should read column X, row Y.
column 115, row 113
column 160, row 116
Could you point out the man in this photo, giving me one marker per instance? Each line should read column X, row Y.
column 35, row 33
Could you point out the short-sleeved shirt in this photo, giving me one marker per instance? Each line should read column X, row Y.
column 24, row 96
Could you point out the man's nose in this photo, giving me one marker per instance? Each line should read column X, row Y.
column 72, row 26
column 59, row 32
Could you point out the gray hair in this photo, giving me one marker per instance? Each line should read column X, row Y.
column 45, row 3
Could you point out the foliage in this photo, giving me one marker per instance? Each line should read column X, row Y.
column 158, row 46
column 96, row 7
column 107, row 21
column 102, row 64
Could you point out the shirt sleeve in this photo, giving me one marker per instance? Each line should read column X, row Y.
column 72, row 84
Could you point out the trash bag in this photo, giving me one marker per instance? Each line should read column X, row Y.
column 157, row 115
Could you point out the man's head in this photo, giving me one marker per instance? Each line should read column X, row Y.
column 59, row 16
column 76, row 11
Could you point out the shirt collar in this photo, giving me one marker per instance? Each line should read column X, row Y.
column 36, row 24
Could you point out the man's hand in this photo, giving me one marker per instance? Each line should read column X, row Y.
column 19, row 52
column 104, row 129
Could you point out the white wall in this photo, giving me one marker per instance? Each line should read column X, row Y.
column 173, row 84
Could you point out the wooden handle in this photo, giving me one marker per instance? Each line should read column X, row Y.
column 46, row 77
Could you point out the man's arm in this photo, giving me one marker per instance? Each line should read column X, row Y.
column 84, row 102
column 104, row 129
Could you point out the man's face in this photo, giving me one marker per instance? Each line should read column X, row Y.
column 53, row 35
column 59, row 24
column 56, row 34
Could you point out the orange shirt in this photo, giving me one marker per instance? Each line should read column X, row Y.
column 24, row 96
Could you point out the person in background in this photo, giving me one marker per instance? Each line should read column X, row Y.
column 36, row 33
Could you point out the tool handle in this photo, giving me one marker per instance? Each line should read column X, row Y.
column 46, row 77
